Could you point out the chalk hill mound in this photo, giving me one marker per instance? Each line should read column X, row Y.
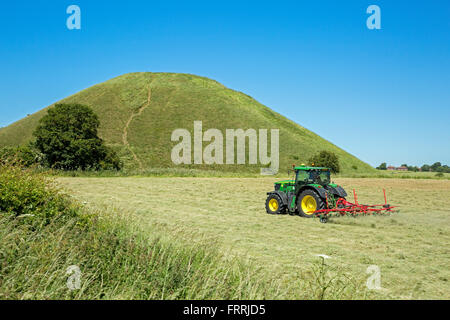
column 139, row 111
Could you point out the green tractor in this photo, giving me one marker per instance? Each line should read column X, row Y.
column 311, row 190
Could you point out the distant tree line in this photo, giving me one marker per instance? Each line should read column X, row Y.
column 435, row 167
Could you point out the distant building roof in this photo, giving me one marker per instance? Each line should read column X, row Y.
column 401, row 168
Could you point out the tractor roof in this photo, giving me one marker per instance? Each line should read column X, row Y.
column 311, row 168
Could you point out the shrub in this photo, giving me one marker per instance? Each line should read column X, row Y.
column 23, row 155
column 111, row 161
column 326, row 159
column 7, row 155
column 30, row 195
column 67, row 137
column 382, row 166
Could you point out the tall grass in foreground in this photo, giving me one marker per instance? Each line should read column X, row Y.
column 42, row 233
column 114, row 265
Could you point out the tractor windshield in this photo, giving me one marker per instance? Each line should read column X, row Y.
column 325, row 177
column 319, row 176
column 302, row 176
column 314, row 176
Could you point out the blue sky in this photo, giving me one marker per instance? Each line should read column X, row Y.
column 382, row 95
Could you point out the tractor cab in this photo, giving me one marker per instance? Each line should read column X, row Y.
column 312, row 175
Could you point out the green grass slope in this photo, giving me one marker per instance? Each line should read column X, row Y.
column 139, row 111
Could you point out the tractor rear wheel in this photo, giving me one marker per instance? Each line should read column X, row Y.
column 274, row 205
column 309, row 202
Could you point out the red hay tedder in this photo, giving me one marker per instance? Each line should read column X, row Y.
column 343, row 207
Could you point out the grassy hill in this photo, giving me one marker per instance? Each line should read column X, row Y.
column 139, row 111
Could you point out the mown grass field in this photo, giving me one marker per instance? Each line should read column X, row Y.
column 410, row 247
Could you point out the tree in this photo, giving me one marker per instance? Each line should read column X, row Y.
column 425, row 167
column 326, row 159
column 382, row 166
column 435, row 166
column 67, row 137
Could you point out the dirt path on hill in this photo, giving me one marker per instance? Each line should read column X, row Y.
column 127, row 125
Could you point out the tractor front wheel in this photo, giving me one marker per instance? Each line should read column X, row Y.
column 309, row 202
column 274, row 204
